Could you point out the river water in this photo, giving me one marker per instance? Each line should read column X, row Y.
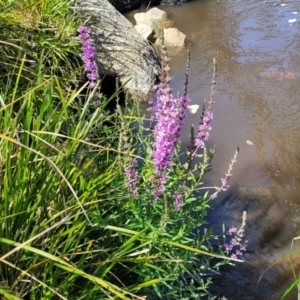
column 257, row 107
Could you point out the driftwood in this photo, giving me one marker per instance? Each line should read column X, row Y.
column 120, row 49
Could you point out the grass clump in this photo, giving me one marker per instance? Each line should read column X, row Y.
column 89, row 207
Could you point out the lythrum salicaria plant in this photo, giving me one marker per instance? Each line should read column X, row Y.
column 236, row 244
column 91, row 68
column 168, row 201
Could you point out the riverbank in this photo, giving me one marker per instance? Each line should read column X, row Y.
column 85, row 212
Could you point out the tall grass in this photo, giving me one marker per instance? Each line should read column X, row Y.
column 55, row 185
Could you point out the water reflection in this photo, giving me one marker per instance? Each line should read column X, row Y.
column 257, row 99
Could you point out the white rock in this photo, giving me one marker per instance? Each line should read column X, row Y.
column 154, row 17
column 174, row 38
column 157, row 14
column 141, row 18
column 146, row 31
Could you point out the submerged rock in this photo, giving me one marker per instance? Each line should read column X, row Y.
column 269, row 231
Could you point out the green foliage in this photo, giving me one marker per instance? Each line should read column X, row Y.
column 29, row 28
column 56, row 176
column 182, row 256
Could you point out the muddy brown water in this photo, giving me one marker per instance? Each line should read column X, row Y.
column 257, row 48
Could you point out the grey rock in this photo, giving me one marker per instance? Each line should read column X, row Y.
column 146, row 31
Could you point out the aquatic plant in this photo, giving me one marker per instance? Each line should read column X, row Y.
column 225, row 185
column 207, row 118
column 168, row 205
column 236, row 245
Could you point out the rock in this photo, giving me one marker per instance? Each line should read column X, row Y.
column 174, row 41
column 146, row 31
column 120, row 50
column 174, row 38
column 155, row 18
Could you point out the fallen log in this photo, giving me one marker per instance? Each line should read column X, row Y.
column 120, row 50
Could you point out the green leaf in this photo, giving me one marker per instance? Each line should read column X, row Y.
column 191, row 200
column 289, row 289
column 71, row 269
column 8, row 296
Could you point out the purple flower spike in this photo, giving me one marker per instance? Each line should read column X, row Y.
column 214, row 196
column 91, row 68
column 132, row 178
column 228, row 247
column 204, row 128
column 225, row 186
column 84, row 32
column 178, row 202
column 169, row 113
column 232, row 230
column 235, row 246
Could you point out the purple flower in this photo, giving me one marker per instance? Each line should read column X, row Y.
column 91, row 68
column 236, row 241
column 199, row 143
column 84, row 32
column 228, row 247
column 92, row 84
column 178, row 202
column 92, row 76
column 214, row 196
column 131, row 178
column 225, row 186
column 204, row 128
column 232, row 230
column 243, row 248
column 169, row 113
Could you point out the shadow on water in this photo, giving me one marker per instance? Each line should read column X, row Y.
column 256, row 45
